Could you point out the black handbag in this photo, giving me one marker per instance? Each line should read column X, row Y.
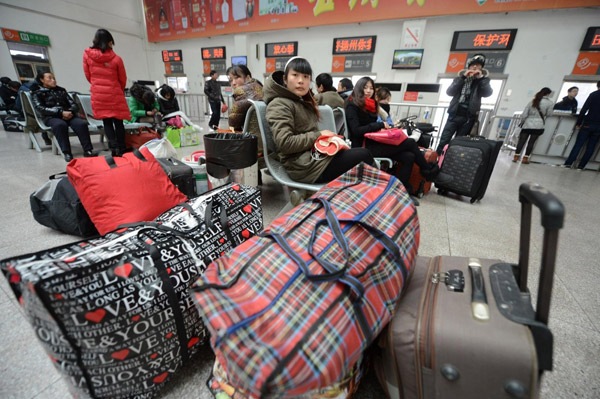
column 57, row 205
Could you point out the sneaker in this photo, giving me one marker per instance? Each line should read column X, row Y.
column 68, row 156
column 443, row 178
column 89, row 153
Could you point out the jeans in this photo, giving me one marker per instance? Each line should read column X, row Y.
column 60, row 129
column 215, row 107
column 459, row 124
column 589, row 133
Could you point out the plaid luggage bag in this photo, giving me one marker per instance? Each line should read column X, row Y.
column 292, row 311
column 114, row 313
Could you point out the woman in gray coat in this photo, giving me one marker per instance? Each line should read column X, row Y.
column 532, row 123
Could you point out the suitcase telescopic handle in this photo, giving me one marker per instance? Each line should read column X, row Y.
column 553, row 214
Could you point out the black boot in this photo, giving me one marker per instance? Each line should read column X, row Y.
column 430, row 173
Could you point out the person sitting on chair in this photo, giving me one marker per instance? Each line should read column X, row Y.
column 59, row 111
column 143, row 105
column 327, row 95
column 169, row 108
column 293, row 115
column 362, row 112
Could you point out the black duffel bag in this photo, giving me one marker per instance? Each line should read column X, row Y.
column 57, row 205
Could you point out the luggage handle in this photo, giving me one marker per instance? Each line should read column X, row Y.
column 553, row 213
column 111, row 161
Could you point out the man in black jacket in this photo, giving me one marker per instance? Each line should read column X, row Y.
column 59, row 111
column 213, row 90
column 568, row 103
column 466, row 90
column 588, row 124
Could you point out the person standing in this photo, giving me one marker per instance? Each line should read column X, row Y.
column 568, row 103
column 59, row 111
column 532, row 123
column 106, row 72
column 213, row 90
column 466, row 90
column 588, row 124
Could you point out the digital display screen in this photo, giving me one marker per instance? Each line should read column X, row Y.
column 213, row 53
column 483, row 40
column 283, row 49
column 172, row 56
column 239, row 60
column 354, row 45
column 591, row 42
column 407, row 59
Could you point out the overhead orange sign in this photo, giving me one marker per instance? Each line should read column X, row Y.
column 185, row 19
column 456, row 62
column 587, row 64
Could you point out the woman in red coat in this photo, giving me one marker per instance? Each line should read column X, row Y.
column 105, row 71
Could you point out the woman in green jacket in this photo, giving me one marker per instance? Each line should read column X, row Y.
column 293, row 116
column 143, row 105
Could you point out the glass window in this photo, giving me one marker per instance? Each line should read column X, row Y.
column 585, row 89
column 25, row 71
column 42, row 68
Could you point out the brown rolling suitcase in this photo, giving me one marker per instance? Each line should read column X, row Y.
column 485, row 341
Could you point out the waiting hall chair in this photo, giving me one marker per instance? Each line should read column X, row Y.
column 34, row 124
column 299, row 191
column 84, row 101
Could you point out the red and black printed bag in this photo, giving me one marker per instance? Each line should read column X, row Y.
column 292, row 310
column 114, row 313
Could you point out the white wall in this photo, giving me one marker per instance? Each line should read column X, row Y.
column 71, row 27
column 546, row 47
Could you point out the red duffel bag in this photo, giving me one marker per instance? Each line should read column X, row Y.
column 127, row 189
column 143, row 135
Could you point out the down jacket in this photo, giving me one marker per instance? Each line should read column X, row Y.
column 532, row 118
column 136, row 106
column 106, row 72
column 167, row 106
column 50, row 102
column 294, row 126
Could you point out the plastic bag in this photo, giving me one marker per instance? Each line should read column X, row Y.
column 161, row 148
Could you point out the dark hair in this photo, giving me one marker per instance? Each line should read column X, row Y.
column 347, row 84
column 14, row 84
column 212, row 72
column 477, row 59
column 148, row 97
column 383, row 93
column 239, row 71
column 101, row 41
column 5, row 80
column 538, row 96
column 301, row 65
column 40, row 77
column 573, row 88
column 358, row 95
column 166, row 89
column 598, row 84
column 325, row 80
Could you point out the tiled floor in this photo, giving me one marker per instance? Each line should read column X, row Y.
column 449, row 225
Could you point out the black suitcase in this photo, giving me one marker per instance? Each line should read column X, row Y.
column 470, row 161
column 180, row 174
